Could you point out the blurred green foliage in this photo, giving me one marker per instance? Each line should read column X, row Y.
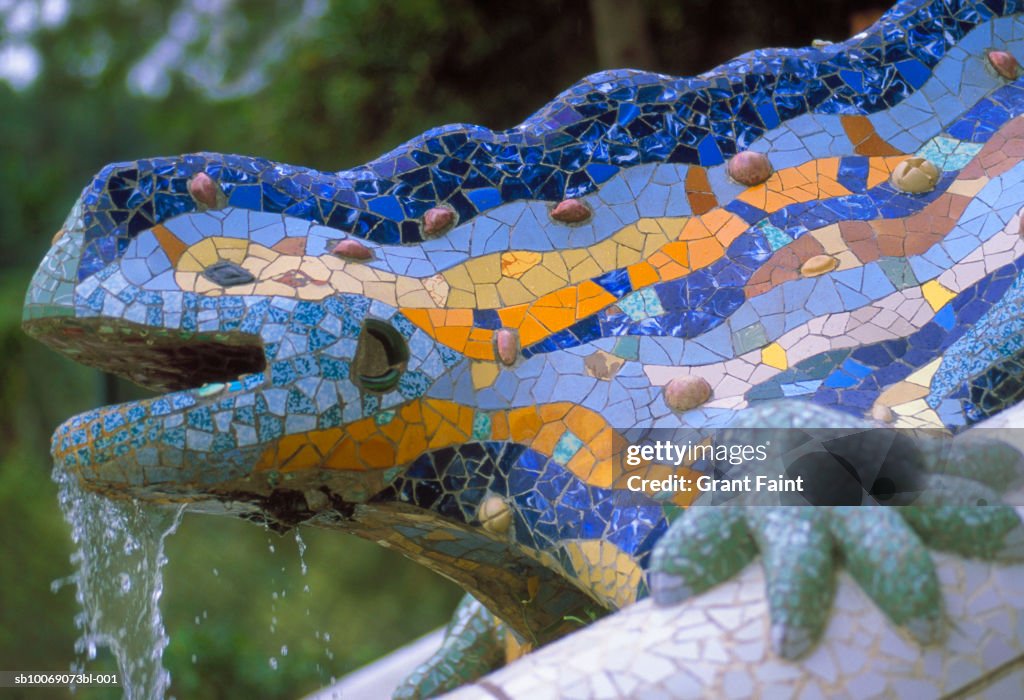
column 359, row 78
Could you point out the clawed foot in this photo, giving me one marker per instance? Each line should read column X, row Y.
column 473, row 646
column 955, row 507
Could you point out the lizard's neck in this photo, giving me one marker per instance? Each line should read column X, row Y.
column 535, row 600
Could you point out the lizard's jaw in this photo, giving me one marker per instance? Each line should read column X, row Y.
column 158, row 359
column 153, row 448
column 206, row 441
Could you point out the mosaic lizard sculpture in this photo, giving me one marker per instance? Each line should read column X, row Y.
column 442, row 350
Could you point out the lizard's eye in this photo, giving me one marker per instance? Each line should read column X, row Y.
column 228, row 274
column 381, row 356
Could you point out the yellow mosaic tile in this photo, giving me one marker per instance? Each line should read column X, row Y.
column 968, row 188
column 936, row 294
column 483, row 374
column 209, row 250
column 923, row 376
column 774, row 355
column 831, row 239
column 514, row 264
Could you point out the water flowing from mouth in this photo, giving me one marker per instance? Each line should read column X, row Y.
column 119, row 558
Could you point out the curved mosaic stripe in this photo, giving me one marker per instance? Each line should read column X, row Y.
column 580, row 140
column 932, row 305
column 637, row 192
column 860, row 374
column 649, row 190
column 572, row 436
column 648, row 362
column 894, row 317
column 884, row 274
column 625, row 192
column 997, row 334
column 676, row 308
column 308, row 276
column 798, row 301
column 959, row 81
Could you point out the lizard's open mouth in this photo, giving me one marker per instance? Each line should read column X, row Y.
column 157, row 359
column 138, row 448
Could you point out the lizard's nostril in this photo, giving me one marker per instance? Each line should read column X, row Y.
column 381, row 357
column 228, row 274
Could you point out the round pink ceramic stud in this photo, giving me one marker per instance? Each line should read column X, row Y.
column 570, row 211
column 437, row 220
column 686, row 392
column 506, row 346
column 1004, row 63
column 205, row 191
column 749, row 168
column 352, row 250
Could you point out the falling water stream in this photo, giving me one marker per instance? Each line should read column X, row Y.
column 120, row 557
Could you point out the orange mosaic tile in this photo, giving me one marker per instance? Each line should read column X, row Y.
column 698, row 191
column 866, row 142
column 171, row 244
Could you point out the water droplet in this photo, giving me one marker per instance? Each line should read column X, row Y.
column 301, row 543
column 59, row 583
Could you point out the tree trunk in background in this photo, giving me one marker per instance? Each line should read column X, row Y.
column 862, row 19
column 620, row 34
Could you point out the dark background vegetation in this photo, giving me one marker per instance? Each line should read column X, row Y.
column 350, row 81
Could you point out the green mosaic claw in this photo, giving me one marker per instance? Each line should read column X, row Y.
column 884, row 549
column 797, row 554
column 473, row 646
column 892, row 566
column 999, row 532
column 707, row 546
column 987, row 461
